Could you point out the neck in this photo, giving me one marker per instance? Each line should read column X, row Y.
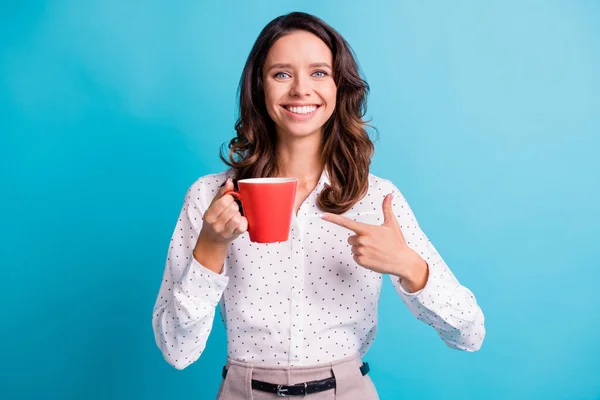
column 300, row 158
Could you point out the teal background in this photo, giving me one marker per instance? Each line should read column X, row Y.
column 489, row 121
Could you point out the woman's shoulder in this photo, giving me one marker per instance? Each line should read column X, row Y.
column 209, row 184
column 214, row 178
column 378, row 183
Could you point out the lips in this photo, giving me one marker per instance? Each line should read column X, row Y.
column 301, row 109
column 298, row 114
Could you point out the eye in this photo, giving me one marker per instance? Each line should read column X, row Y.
column 281, row 75
column 320, row 74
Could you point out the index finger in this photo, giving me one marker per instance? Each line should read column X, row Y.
column 357, row 227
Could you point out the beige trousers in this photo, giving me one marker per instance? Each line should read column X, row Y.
column 350, row 383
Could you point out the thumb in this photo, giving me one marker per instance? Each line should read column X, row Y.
column 228, row 185
column 388, row 212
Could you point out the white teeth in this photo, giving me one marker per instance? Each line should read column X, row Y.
column 302, row 110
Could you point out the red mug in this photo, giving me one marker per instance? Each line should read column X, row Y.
column 268, row 205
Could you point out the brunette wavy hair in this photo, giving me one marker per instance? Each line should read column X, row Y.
column 346, row 149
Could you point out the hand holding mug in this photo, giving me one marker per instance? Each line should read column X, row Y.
column 222, row 221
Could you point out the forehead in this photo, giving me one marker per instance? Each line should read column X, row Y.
column 299, row 47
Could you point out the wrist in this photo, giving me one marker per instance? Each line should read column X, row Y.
column 204, row 241
column 417, row 278
column 210, row 254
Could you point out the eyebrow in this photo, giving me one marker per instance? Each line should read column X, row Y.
column 313, row 65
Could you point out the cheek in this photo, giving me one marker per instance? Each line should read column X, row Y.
column 268, row 90
column 329, row 91
column 329, row 95
column 273, row 94
column 270, row 100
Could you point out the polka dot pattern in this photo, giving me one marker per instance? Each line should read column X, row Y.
column 300, row 302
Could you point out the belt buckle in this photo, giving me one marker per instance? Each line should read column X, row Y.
column 281, row 392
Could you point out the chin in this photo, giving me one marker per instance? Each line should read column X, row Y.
column 300, row 132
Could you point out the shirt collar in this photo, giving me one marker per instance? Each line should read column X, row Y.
column 324, row 178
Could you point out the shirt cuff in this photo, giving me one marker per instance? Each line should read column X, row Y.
column 430, row 295
column 405, row 292
column 202, row 283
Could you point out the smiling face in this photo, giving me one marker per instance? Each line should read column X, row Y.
column 300, row 93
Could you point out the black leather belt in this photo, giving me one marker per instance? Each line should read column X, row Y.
column 299, row 389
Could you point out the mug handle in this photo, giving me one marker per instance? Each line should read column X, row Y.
column 234, row 194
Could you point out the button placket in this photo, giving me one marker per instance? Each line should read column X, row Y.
column 297, row 308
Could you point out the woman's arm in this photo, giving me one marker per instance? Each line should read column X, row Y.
column 189, row 293
column 443, row 303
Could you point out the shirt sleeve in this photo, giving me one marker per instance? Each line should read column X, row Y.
column 446, row 305
column 189, row 293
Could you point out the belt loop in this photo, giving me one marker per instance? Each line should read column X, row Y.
column 248, row 381
column 348, row 378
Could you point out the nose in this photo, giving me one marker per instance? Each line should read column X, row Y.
column 300, row 86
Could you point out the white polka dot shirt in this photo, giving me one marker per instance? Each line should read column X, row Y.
column 304, row 301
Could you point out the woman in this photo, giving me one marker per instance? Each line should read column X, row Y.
column 301, row 314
